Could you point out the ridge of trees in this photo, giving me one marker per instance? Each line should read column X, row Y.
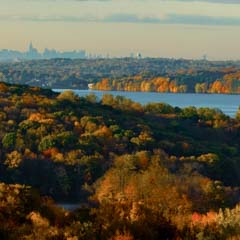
column 148, row 74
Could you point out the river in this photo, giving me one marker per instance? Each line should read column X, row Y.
column 226, row 102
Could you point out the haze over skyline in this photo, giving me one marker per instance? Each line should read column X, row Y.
column 157, row 28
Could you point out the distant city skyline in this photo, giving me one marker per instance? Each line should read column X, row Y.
column 33, row 53
column 156, row 28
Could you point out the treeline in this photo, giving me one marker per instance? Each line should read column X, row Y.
column 183, row 75
column 140, row 172
column 226, row 81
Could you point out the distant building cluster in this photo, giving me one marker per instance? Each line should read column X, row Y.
column 33, row 53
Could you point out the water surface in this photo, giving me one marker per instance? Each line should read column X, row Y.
column 225, row 102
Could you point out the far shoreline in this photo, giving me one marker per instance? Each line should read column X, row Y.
column 95, row 90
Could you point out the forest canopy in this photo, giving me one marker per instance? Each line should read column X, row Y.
column 138, row 171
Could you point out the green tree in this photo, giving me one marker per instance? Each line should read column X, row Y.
column 9, row 140
column 46, row 143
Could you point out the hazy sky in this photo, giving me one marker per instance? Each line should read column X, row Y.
column 162, row 28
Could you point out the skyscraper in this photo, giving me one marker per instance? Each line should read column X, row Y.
column 32, row 52
column 30, row 48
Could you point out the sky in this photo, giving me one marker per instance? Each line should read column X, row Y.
column 155, row 28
